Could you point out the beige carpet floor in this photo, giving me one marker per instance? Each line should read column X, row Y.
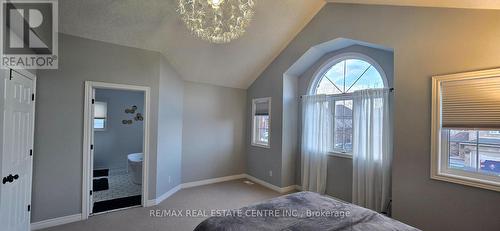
column 226, row 195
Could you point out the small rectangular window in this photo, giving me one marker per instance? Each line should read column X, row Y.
column 466, row 129
column 100, row 116
column 261, row 120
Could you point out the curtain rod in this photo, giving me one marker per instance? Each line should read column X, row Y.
column 340, row 95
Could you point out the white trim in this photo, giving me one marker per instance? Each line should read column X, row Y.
column 163, row 197
column 212, row 181
column 191, row 185
column 56, row 221
column 254, row 101
column 87, row 138
column 318, row 75
column 439, row 170
column 78, row 217
column 271, row 186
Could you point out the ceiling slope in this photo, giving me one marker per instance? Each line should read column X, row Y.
column 466, row 4
column 155, row 25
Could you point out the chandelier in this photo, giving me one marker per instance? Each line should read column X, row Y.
column 216, row 21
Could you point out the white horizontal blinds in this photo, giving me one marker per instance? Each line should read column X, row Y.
column 472, row 103
column 262, row 108
column 100, row 110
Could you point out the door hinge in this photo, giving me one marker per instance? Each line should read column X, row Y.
column 29, row 208
column 93, row 101
column 32, row 97
column 91, row 192
column 31, row 152
column 91, row 147
column 10, row 74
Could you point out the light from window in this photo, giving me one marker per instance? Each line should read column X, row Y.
column 344, row 77
column 343, row 126
column 100, row 115
column 474, row 151
column 261, row 117
column 348, row 76
column 262, row 125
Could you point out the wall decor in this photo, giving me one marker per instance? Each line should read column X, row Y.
column 137, row 117
column 127, row 121
column 131, row 110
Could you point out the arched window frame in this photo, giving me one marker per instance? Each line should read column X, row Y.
column 325, row 67
column 320, row 74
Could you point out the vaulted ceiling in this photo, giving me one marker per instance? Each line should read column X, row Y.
column 155, row 25
column 466, row 4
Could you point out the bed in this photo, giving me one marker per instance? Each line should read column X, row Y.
column 301, row 211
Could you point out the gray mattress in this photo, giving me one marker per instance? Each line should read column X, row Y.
column 301, row 211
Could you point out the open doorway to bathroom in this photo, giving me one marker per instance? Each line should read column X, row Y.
column 115, row 147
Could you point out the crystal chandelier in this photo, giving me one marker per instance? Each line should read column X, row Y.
column 216, row 21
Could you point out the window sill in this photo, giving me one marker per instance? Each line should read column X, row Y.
column 340, row 154
column 458, row 177
column 261, row 145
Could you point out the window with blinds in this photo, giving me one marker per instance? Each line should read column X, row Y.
column 471, row 103
column 261, row 120
column 100, row 116
column 466, row 129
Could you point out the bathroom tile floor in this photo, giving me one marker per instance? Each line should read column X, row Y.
column 120, row 185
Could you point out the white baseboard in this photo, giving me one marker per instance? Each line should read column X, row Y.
column 78, row 217
column 193, row 184
column 163, row 197
column 212, row 181
column 271, row 186
column 56, row 221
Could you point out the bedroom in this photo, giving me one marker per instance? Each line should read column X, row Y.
column 225, row 122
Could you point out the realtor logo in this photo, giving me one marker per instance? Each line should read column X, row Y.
column 29, row 34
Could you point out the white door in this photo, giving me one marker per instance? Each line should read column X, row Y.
column 91, row 170
column 17, row 150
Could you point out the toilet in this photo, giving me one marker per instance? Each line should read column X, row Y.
column 135, row 167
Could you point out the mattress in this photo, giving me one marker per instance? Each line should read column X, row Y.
column 301, row 211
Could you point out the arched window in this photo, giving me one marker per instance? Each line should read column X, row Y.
column 349, row 75
column 343, row 75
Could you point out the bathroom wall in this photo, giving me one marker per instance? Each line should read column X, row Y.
column 113, row 144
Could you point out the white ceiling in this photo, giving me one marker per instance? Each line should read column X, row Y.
column 155, row 25
column 472, row 4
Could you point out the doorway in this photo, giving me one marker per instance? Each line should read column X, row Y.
column 115, row 147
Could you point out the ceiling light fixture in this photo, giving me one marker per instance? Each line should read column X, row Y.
column 217, row 21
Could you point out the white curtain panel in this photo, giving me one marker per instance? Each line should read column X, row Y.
column 372, row 150
column 317, row 121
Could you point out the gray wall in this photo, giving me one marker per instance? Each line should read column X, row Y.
column 57, row 167
column 213, row 132
column 260, row 161
column 426, row 42
column 112, row 145
column 169, row 129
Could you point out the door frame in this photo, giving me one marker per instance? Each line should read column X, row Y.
column 88, row 133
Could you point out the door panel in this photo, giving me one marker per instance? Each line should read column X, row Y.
column 18, row 117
